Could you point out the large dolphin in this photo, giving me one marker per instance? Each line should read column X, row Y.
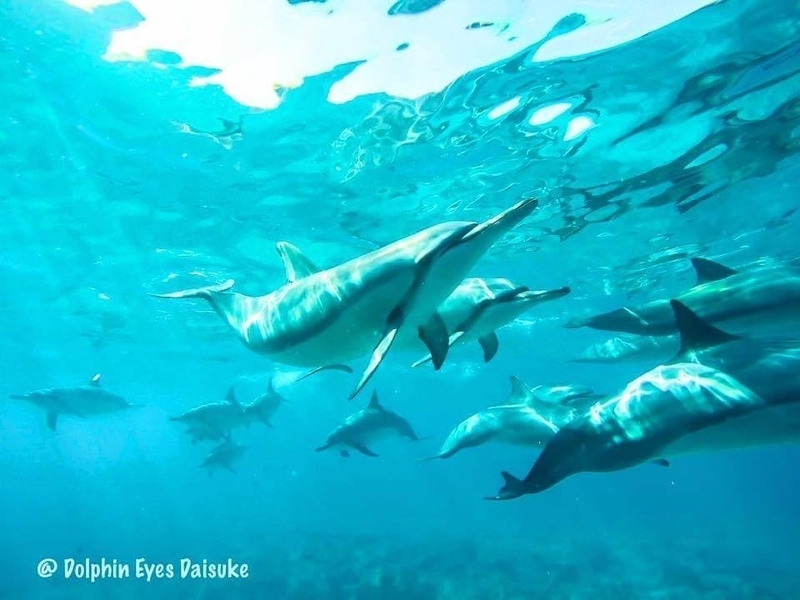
column 223, row 456
column 347, row 311
column 475, row 310
column 87, row 400
column 361, row 429
column 215, row 420
column 764, row 299
column 720, row 392
column 529, row 417
column 630, row 348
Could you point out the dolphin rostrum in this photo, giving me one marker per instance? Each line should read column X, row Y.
column 361, row 429
column 347, row 311
column 721, row 391
column 529, row 417
column 87, row 400
column 215, row 420
column 763, row 299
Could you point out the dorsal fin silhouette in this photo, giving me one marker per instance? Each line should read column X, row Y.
column 520, row 392
column 296, row 264
column 231, row 397
column 374, row 403
column 697, row 334
column 708, row 270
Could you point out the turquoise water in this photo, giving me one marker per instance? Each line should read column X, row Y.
column 650, row 135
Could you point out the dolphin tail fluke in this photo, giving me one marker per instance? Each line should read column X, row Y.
column 334, row 367
column 201, row 292
column 512, row 488
column 575, row 323
column 377, row 357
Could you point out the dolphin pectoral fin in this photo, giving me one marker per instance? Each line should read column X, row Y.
column 334, row 367
column 363, row 449
column 511, row 489
column 377, row 357
column 709, row 270
column 296, row 264
column 52, row 417
column 490, row 345
column 451, row 340
column 661, row 462
column 344, row 454
column 434, row 335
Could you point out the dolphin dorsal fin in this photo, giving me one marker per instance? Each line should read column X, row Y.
column 520, row 392
column 296, row 264
column 95, row 380
column 695, row 333
column 231, row 397
column 708, row 270
column 374, row 403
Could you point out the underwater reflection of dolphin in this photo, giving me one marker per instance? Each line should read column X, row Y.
column 755, row 299
column 371, row 424
column 82, row 401
column 358, row 307
column 529, row 417
column 629, row 348
column 720, row 392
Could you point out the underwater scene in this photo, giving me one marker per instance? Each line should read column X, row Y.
column 400, row 299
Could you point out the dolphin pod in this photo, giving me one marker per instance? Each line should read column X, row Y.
column 765, row 299
column 721, row 391
column 356, row 308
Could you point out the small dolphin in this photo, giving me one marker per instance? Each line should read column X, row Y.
column 478, row 307
column 474, row 311
column 358, row 307
column 530, row 417
column 231, row 132
column 223, row 456
column 763, row 299
column 630, row 348
column 215, row 420
column 366, row 426
column 82, row 401
column 720, row 392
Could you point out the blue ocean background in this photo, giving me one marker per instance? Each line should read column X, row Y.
column 692, row 152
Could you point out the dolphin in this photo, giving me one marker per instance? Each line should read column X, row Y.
column 764, row 299
column 215, row 420
column 87, row 400
column 473, row 312
column 630, row 348
column 720, row 392
column 223, row 456
column 366, row 426
column 347, row 311
column 529, row 417
column 231, row 131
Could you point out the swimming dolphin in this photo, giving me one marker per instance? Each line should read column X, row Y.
column 764, row 299
column 223, row 456
column 215, row 420
column 629, row 348
column 720, row 392
column 358, row 307
column 530, row 417
column 82, row 401
column 366, row 426
column 231, row 132
column 474, row 311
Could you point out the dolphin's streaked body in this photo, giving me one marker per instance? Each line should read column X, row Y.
column 215, row 420
column 223, row 456
column 87, row 400
column 347, row 311
column 763, row 299
column 478, row 307
column 720, row 392
column 530, row 417
column 630, row 348
column 371, row 424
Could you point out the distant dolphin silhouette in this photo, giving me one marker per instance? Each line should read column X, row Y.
column 358, row 307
